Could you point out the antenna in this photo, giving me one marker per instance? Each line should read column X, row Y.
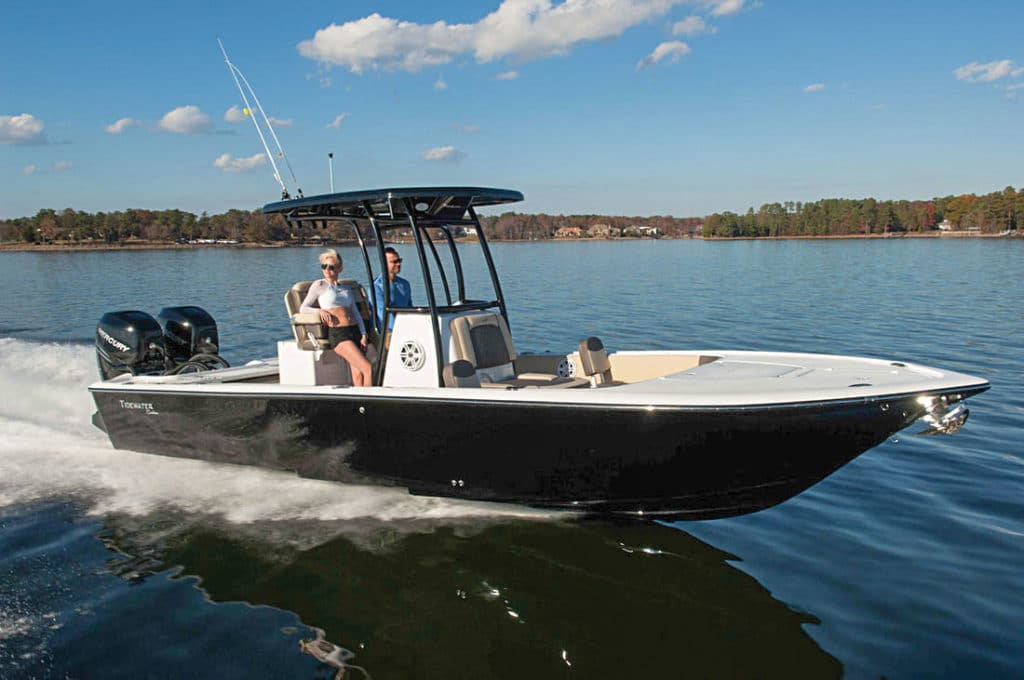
column 330, row 164
column 248, row 111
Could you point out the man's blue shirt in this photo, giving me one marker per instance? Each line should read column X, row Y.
column 401, row 296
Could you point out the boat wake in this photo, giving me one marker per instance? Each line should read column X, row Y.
column 49, row 450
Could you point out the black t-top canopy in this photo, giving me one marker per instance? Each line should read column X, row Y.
column 430, row 203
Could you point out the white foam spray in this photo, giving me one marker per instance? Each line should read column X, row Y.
column 50, row 450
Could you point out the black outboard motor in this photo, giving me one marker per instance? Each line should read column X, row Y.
column 190, row 334
column 129, row 342
column 188, row 331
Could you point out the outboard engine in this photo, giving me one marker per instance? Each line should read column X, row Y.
column 188, row 331
column 129, row 342
column 190, row 335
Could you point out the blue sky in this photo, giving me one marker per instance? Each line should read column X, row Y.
column 639, row 107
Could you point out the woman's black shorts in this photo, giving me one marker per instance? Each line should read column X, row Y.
column 339, row 334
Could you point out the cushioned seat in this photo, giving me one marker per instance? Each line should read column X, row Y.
column 309, row 333
column 595, row 363
column 460, row 373
column 553, row 381
column 484, row 341
column 318, row 367
column 307, row 324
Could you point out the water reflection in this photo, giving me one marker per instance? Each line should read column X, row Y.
column 495, row 599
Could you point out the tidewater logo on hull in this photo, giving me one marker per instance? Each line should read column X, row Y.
column 144, row 406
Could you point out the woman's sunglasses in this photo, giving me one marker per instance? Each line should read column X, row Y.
column 332, row 267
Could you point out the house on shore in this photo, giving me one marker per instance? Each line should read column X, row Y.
column 603, row 231
column 569, row 232
column 641, row 230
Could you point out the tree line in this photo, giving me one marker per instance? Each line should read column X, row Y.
column 168, row 226
column 990, row 213
column 526, row 227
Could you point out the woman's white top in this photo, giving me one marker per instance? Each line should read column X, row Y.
column 328, row 295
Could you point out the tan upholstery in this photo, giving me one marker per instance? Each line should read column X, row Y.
column 460, row 373
column 304, row 323
column 595, row 363
column 537, row 380
column 484, row 342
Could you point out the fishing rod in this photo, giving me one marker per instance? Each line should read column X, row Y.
column 247, row 111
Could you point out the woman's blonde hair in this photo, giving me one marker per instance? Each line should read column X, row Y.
column 330, row 252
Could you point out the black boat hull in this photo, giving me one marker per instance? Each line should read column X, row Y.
column 669, row 462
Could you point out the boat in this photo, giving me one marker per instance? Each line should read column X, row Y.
column 456, row 410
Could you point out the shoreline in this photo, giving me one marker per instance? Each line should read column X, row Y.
column 155, row 245
column 158, row 245
column 889, row 236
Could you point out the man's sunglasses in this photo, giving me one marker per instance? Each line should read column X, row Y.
column 397, row 260
column 332, row 267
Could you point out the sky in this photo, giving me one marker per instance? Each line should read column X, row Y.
column 615, row 107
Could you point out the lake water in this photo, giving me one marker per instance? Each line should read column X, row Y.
column 905, row 563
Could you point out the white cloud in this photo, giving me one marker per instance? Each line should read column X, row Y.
column 186, row 120
column 507, row 75
column 721, row 8
column 533, row 29
column 468, row 128
column 237, row 115
column 439, row 84
column 29, row 170
column 63, row 165
column 338, row 120
column 234, row 115
column 692, row 25
column 517, row 29
column 228, row 164
column 21, row 129
column 379, row 42
column 445, row 154
column 673, row 50
column 815, row 87
column 122, row 124
column 986, row 73
column 1015, row 87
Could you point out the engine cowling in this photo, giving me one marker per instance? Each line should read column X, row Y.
column 129, row 342
column 188, row 331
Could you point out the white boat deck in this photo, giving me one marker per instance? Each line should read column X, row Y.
column 768, row 378
column 735, row 379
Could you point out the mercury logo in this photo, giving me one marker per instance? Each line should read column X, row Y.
column 115, row 343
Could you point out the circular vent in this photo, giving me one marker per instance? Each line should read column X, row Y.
column 412, row 355
column 566, row 368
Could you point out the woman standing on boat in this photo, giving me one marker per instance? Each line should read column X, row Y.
column 336, row 305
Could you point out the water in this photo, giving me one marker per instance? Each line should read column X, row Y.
column 905, row 563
